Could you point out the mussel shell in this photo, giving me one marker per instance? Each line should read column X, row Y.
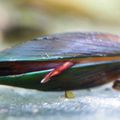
column 65, row 46
column 78, row 77
column 62, row 46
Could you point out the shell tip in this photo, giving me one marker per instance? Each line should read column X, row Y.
column 44, row 80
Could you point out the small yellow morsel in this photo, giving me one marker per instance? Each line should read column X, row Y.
column 69, row 94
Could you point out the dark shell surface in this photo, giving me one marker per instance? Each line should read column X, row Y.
column 62, row 46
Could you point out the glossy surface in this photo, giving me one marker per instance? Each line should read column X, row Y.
column 78, row 77
column 67, row 45
column 97, row 58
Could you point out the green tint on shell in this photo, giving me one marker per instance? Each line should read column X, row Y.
column 65, row 46
column 77, row 77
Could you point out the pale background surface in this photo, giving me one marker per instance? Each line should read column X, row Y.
column 101, row 103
